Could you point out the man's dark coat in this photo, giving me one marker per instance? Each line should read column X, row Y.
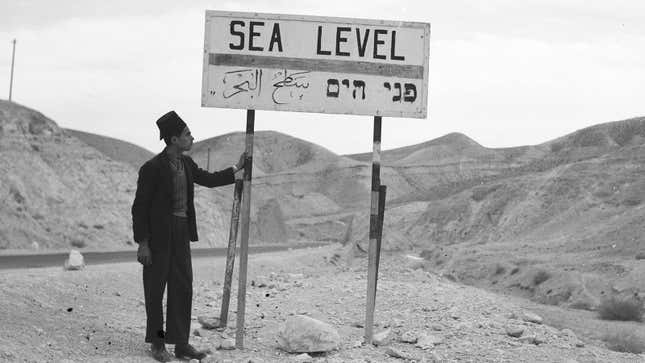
column 152, row 207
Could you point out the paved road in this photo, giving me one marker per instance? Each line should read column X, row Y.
column 96, row 258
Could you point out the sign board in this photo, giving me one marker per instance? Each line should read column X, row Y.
column 315, row 64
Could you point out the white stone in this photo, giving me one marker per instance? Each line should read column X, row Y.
column 227, row 344
column 303, row 334
column 381, row 338
column 209, row 322
column 409, row 337
column 428, row 341
column 514, row 331
column 531, row 317
column 303, row 358
column 414, row 262
column 75, row 261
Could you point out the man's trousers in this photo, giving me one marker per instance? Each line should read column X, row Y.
column 170, row 266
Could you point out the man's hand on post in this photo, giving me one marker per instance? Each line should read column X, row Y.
column 240, row 166
column 143, row 253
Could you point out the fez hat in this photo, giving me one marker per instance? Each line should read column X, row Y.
column 170, row 124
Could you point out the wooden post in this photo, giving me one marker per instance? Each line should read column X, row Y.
column 230, row 254
column 244, row 243
column 13, row 57
column 381, row 215
column 373, row 234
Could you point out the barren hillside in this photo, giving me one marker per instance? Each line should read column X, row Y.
column 58, row 192
column 114, row 148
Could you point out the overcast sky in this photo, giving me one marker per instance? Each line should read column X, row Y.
column 503, row 72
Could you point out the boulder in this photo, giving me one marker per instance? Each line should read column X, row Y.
column 514, row 331
column 409, row 337
column 531, row 317
column 428, row 341
column 227, row 344
column 414, row 262
column 303, row 358
column 75, row 261
column 209, row 322
column 302, row 334
column 381, row 338
column 400, row 354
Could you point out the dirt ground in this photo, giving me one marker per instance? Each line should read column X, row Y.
column 97, row 314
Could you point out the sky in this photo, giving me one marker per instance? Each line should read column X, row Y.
column 503, row 72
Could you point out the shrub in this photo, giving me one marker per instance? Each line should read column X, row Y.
column 98, row 226
column 640, row 256
column 499, row 269
column 540, row 277
column 78, row 243
column 450, row 277
column 626, row 342
column 621, row 309
column 426, row 254
column 515, row 270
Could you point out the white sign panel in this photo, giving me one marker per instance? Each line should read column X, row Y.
column 315, row 64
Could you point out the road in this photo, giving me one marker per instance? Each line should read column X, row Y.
column 96, row 258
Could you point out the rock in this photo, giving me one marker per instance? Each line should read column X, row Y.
column 428, row 341
column 531, row 317
column 580, row 344
column 433, row 357
column 399, row 354
column 303, row 358
column 381, row 338
column 209, row 322
column 227, row 344
column 212, row 358
column 532, row 339
column 514, row 331
column 302, row 334
column 204, row 333
column 409, row 337
column 75, row 261
column 193, row 361
column 414, row 262
column 436, row 327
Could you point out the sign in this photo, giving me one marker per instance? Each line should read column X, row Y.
column 315, row 64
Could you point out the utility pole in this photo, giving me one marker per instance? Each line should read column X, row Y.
column 13, row 57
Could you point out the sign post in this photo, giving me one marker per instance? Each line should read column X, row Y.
column 246, row 219
column 230, row 253
column 372, row 253
column 290, row 63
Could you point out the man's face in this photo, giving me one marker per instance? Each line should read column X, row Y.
column 185, row 140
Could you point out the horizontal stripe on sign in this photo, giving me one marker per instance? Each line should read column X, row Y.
column 317, row 65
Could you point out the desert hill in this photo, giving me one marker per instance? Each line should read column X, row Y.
column 114, row 148
column 570, row 209
column 56, row 190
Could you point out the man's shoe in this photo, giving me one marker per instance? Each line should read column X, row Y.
column 189, row 352
column 160, row 354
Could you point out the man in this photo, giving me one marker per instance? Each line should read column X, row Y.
column 163, row 216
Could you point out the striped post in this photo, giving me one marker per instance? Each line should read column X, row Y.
column 244, row 242
column 372, row 263
column 381, row 215
column 230, row 253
